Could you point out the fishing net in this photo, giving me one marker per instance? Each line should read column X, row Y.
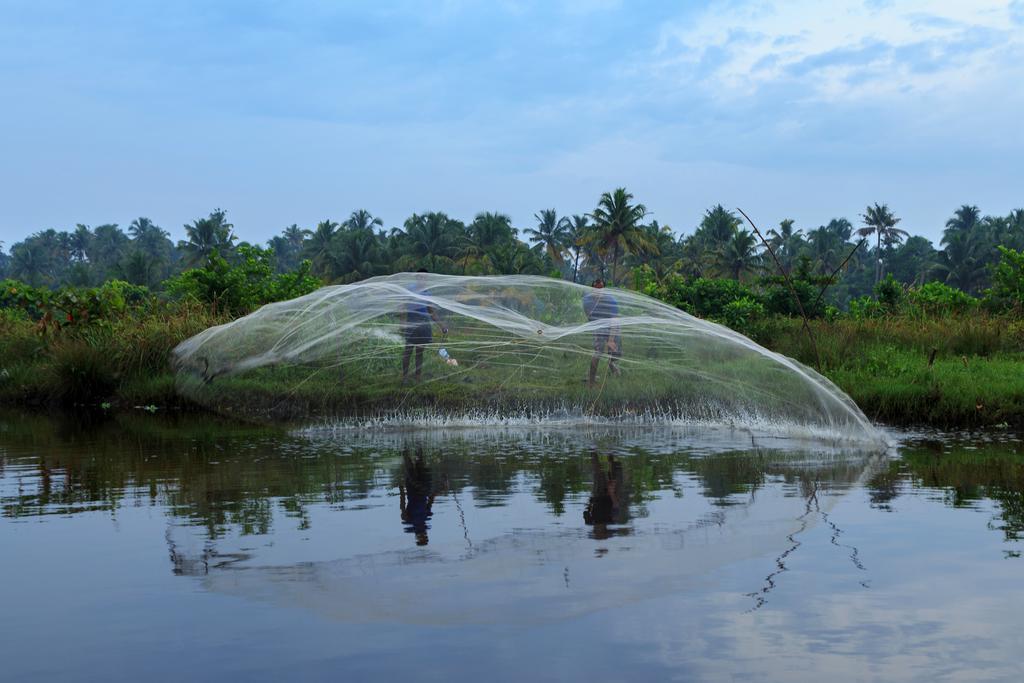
column 425, row 349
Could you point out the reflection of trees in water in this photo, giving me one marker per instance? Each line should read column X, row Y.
column 965, row 475
column 221, row 477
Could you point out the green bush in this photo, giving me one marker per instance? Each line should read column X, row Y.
column 889, row 292
column 936, row 298
column 241, row 288
column 1007, row 281
column 702, row 297
column 742, row 314
column 865, row 308
column 81, row 372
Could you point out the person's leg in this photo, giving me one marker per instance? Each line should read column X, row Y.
column 614, row 348
column 592, row 377
column 419, row 362
column 406, row 353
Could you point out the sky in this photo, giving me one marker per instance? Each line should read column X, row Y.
column 281, row 111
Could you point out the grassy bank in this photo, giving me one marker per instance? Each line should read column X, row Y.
column 122, row 361
column 949, row 371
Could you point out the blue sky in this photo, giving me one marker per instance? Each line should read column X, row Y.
column 284, row 111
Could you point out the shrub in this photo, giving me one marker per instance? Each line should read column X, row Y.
column 889, row 292
column 81, row 372
column 1007, row 280
column 936, row 298
column 244, row 287
column 864, row 308
column 742, row 314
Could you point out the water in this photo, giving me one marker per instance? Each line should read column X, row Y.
column 162, row 549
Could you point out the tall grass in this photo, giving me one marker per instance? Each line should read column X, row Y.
column 100, row 362
column 952, row 371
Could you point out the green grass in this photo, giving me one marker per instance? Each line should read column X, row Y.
column 975, row 378
column 883, row 364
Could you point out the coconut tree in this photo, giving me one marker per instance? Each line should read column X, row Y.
column 963, row 261
column 786, row 242
column 880, row 222
column 431, row 237
column 552, row 233
column 739, row 254
column 139, row 268
column 318, row 248
column 840, row 227
column 826, row 249
column 81, row 242
column 206, row 235
column 30, row 262
column 575, row 231
column 717, row 227
column 356, row 255
column 964, row 220
column 618, row 228
column 664, row 258
column 361, row 219
column 487, row 231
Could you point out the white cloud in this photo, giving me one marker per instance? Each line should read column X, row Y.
column 842, row 50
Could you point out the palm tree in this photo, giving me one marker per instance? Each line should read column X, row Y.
column 551, row 232
column 826, row 248
column 318, row 248
column 840, row 227
column 879, row 221
column 150, row 239
column 963, row 261
column 487, row 231
column 1013, row 232
column 786, row 243
column 356, row 256
column 362, row 219
column 576, row 230
column 965, row 219
column 618, row 228
column 107, row 247
column 516, row 258
column 205, row 236
column 138, row 268
column 295, row 235
column 81, row 242
column 30, row 262
column 717, row 227
column 739, row 255
column 431, row 237
column 667, row 249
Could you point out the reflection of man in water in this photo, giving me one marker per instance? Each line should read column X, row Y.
column 416, row 328
column 416, row 495
column 600, row 305
column 609, row 501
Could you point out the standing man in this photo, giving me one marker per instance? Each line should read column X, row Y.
column 416, row 328
column 601, row 305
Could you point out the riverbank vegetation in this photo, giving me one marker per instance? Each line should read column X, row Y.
column 913, row 333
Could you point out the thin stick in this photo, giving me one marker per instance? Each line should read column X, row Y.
column 831, row 278
column 792, row 290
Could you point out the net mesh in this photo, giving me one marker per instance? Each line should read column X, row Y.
column 421, row 348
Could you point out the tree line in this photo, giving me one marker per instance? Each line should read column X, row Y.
column 610, row 241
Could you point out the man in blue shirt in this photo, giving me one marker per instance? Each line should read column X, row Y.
column 416, row 327
column 600, row 305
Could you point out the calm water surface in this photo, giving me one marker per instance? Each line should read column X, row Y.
column 144, row 548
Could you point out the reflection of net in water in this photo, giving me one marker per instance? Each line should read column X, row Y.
column 419, row 348
column 754, row 506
